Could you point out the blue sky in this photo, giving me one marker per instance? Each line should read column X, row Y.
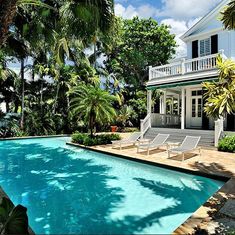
column 179, row 14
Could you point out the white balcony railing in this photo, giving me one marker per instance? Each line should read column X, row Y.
column 184, row 66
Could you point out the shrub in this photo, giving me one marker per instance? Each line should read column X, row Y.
column 87, row 140
column 227, row 144
column 128, row 129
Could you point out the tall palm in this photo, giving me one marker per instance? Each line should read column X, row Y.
column 93, row 104
column 228, row 16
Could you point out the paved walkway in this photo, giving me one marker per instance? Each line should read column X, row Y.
column 216, row 212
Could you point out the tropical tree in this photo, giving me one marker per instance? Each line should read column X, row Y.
column 220, row 95
column 140, row 43
column 93, row 105
column 228, row 16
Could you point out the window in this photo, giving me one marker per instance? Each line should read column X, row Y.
column 205, row 47
column 197, row 93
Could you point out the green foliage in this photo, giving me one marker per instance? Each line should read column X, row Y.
column 124, row 116
column 13, row 220
column 227, row 144
column 140, row 43
column 93, row 105
column 220, row 95
column 9, row 126
column 87, row 140
column 128, row 129
column 228, row 16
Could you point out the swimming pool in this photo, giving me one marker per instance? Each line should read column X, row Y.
column 69, row 190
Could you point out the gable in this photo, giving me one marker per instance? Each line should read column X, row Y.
column 208, row 23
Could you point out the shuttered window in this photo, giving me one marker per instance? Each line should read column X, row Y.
column 205, row 47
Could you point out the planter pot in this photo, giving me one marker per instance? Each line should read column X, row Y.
column 114, row 128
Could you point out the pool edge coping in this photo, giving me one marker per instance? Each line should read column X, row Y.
column 196, row 218
column 34, row 137
column 148, row 162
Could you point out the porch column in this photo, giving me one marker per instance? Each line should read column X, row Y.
column 183, row 108
column 149, row 101
column 164, row 103
column 178, row 108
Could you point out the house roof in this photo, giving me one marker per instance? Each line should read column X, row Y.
column 212, row 14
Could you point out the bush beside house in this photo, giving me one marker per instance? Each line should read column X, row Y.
column 87, row 140
column 227, row 144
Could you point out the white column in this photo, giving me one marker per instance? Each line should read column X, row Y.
column 178, row 104
column 183, row 108
column 150, row 73
column 164, row 103
column 149, row 101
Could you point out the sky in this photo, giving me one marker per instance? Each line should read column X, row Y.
column 179, row 14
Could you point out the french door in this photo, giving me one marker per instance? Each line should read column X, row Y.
column 196, row 109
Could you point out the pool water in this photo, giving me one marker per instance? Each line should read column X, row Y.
column 69, row 190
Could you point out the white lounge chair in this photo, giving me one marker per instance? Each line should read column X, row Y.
column 189, row 144
column 158, row 141
column 131, row 140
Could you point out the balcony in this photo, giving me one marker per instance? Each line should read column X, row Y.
column 185, row 68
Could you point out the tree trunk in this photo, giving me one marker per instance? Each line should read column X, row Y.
column 41, row 95
column 7, row 107
column 91, row 124
column 7, row 13
column 22, row 94
column 56, row 97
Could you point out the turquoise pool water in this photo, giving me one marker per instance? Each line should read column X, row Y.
column 69, row 190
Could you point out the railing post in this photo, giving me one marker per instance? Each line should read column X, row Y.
column 219, row 128
column 149, row 101
column 183, row 70
column 150, row 73
column 221, row 52
column 142, row 128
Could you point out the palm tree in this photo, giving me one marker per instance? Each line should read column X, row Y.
column 93, row 104
column 220, row 96
column 228, row 16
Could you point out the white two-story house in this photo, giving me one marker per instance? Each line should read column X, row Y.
column 180, row 82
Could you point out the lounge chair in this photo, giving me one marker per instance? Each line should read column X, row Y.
column 158, row 141
column 189, row 144
column 131, row 140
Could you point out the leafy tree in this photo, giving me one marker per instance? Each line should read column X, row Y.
column 220, row 95
column 141, row 43
column 93, row 104
column 124, row 116
column 228, row 16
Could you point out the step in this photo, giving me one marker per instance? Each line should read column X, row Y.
column 178, row 135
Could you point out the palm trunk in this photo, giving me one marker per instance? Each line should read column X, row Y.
column 22, row 94
column 41, row 95
column 7, row 13
column 91, row 124
column 56, row 97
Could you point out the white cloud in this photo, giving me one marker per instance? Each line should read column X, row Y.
column 179, row 14
column 185, row 9
column 179, row 27
column 127, row 13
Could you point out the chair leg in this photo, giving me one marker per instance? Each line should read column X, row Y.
column 183, row 157
column 169, row 154
column 148, row 152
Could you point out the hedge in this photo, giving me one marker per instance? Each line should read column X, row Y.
column 227, row 144
column 87, row 140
